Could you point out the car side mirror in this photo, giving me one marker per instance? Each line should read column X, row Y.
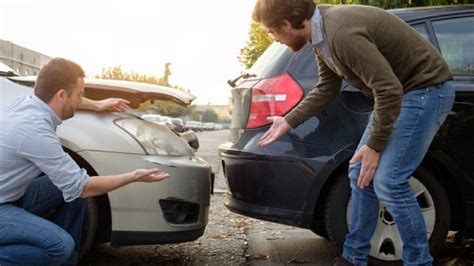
column 191, row 138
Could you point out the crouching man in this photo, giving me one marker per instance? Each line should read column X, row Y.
column 29, row 146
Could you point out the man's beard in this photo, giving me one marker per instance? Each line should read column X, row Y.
column 297, row 44
column 67, row 113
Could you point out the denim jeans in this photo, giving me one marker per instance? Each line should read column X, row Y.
column 28, row 239
column 422, row 113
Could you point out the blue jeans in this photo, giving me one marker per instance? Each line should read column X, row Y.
column 28, row 239
column 422, row 113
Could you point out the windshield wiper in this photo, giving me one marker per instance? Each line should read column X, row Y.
column 245, row 76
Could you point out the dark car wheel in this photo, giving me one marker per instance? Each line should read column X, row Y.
column 386, row 242
column 89, row 227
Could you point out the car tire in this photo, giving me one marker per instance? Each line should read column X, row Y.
column 89, row 227
column 431, row 194
column 320, row 230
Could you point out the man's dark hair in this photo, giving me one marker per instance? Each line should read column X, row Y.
column 272, row 13
column 57, row 74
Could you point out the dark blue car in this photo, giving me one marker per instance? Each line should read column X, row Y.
column 301, row 179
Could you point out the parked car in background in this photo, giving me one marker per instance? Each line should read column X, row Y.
column 208, row 126
column 168, row 122
column 108, row 143
column 158, row 119
column 178, row 124
column 301, row 179
column 193, row 125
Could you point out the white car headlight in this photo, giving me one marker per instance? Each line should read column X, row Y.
column 155, row 139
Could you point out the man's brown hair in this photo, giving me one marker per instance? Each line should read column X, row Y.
column 272, row 13
column 57, row 74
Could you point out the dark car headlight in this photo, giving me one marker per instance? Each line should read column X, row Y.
column 155, row 139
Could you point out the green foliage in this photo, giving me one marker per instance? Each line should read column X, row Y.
column 195, row 116
column 224, row 119
column 209, row 116
column 164, row 80
column 388, row 4
column 259, row 39
column 118, row 74
column 258, row 42
column 167, row 108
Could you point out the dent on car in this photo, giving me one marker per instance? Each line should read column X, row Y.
column 106, row 143
column 301, row 178
column 135, row 92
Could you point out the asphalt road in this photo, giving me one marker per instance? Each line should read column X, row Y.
column 232, row 239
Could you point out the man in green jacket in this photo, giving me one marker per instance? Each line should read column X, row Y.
column 410, row 84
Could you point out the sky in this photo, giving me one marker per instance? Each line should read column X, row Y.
column 200, row 38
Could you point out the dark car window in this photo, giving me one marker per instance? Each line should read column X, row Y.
column 278, row 59
column 421, row 29
column 271, row 62
column 456, row 41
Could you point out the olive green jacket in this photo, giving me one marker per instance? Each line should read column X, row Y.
column 377, row 52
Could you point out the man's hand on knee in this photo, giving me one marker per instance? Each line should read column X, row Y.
column 370, row 161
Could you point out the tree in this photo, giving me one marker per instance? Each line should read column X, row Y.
column 118, row 74
column 224, row 119
column 164, row 81
column 209, row 116
column 259, row 39
column 258, row 42
column 387, row 4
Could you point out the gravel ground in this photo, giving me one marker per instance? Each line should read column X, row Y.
column 223, row 243
column 227, row 237
column 457, row 254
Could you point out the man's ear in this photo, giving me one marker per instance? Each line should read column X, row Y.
column 286, row 25
column 60, row 96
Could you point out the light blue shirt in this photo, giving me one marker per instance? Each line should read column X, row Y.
column 318, row 38
column 29, row 146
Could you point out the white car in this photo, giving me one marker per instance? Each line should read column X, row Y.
column 193, row 125
column 171, row 211
column 208, row 126
column 158, row 119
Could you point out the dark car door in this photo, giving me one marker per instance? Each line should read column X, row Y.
column 454, row 36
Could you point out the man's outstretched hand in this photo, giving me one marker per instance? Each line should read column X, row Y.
column 278, row 128
column 112, row 104
column 109, row 104
column 149, row 175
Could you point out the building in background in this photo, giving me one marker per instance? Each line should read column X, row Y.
column 23, row 60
